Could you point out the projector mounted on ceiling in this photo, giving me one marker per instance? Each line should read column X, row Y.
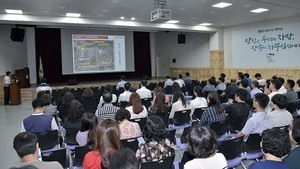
column 161, row 13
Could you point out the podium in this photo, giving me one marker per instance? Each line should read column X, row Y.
column 15, row 94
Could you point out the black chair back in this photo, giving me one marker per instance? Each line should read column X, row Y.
column 292, row 107
column 185, row 132
column 47, row 139
column 131, row 143
column 124, row 104
column 146, row 102
column 80, row 152
column 218, row 127
column 231, row 148
column 253, row 143
column 166, row 163
column 284, row 128
column 71, row 136
column 168, row 90
column 141, row 122
column 171, row 135
column 58, row 155
column 164, row 116
column 181, row 117
column 198, row 112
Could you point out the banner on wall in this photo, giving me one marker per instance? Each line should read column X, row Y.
column 273, row 46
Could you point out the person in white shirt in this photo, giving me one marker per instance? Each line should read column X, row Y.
column 261, row 81
column 143, row 91
column 135, row 107
column 124, row 97
column 282, row 89
column 108, row 88
column 274, row 87
column 180, row 81
column 202, row 144
column 168, row 82
column 121, row 83
column 6, row 82
column 44, row 86
column 279, row 116
column 178, row 104
column 199, row 101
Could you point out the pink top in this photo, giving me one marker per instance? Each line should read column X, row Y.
column 129, row 130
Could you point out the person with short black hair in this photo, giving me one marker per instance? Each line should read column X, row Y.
column 156, row 146
column 292, row 160
column 244, row 85
column 124, row 159
column 275, row 144
column 222, row 85
column 126, row 94
column 254, row 87
column 168, row 82
column 282, row 89
column 298, row 89
column 224, row 77
column 180, row 81
column 143, row 91
column 209, row 87
column 108, row 110
column 38, row 121
column 230, row 90
column 261, row 81
column 187, row 80
column 274, row 87
column 6, row 83
column 121, row 83
column 27, row 147
column 108, row 88
column 199, row 100
column 86, row 134
column 247, row 76
column 128, row 129
column 44, row 86
column 240, row 77
column 49, row 108
column 291, row 95
column 280, row 116
column 259, row 120
column 202, row 144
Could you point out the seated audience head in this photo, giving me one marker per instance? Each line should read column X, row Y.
column 223, row 75
column 168, row 77
column 257, row 76
column 174, row 78
column 244, row 83
column 122, row 77
column 275, row 85
column 279, row 101
column 127, row 86
column 144, row 82
column 122, row 114
column 268, row 82
column 136, row 103
column 107, row 139
column 289, row 84
column 202, row 142
column 154, row 129
column 221, row 79
column 43, row 80
column 254, row 84
column 88, row 92
column 67, row 99
column 8, row 73
column 158, row 89
column 89, row 122
column 241, row 76
column 180, row 76
column 275, row 142
column 211, row 81
column 64, row 91
column 75, row 112
column 240, row 95
column 124, row 159
column 198, row 91
column 260, row 100
column 107, row 97
column 40, row 94
column 246, row 75
column 233, row 81
column 177, row 96
column 25, row 144
column 46, row 98
column 298, row 82
column 38, row 105
column 213, row 99
column 108, row 88
column 294, row 132
column 176, row 88
column 187, row 74
column 274, row 77
column 281, row 80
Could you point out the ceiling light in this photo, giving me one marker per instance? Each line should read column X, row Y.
column 172, row 21
column 259, row 10
column 222, row 5
column 122, row 17
column 132, row 18
column 13, row 11
column 73, row 15
column 205, row 24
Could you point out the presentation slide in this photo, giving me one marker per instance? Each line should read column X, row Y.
column 95, row 51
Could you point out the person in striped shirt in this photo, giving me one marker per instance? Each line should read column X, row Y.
column 108, row 110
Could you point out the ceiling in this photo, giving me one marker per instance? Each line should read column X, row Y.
column 101, row 12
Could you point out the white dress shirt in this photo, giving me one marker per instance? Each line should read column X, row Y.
column 6, row 81
column 101, row 102
column 142, row 114
column 168, row 82
column 177, row 106
column 180, row 82
column 124, row 96
column 144, row 93
column 198, row 102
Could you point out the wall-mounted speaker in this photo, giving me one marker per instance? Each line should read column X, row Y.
column 17, row 34
column 181, row 38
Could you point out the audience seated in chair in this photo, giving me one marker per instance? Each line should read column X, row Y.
column 49, row 108
column 108, row 88
column 38, row 121
column 124, row 159
column 230, row 90
column 178, row 103
column 275, row 144
column 292, row 160
column 180, row 81
column 158, row 89
column 143, row 91
column 168, row 82
column 159, row 108
column 199, row 101
column 187, row 79
column 121, row 83
column 202, row 145
column 88, row 101
column 291, row 95
column 108, row 110
column 27, row 148
column 209, row 87
column 274, row 87
column 124, row 97
column 86, row 134
column 222, row 85
column 64, row 107
column 128, row 129
column 254, row 88
column 75, row 114
column 135, row 107
column 261, row 81
column 44, row 86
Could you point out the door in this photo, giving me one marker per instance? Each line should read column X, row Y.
column 162, row 65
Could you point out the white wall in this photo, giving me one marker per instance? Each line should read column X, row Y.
column 228, row 35
column 194, row 53
column 13, row 55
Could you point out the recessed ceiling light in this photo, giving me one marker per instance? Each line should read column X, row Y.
column 259, row 10
column 122, row 17
column 222, row 5
column 73, row 15
column 172, row 21
column 13, row 11
column 132, row 18
column 205, row 24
